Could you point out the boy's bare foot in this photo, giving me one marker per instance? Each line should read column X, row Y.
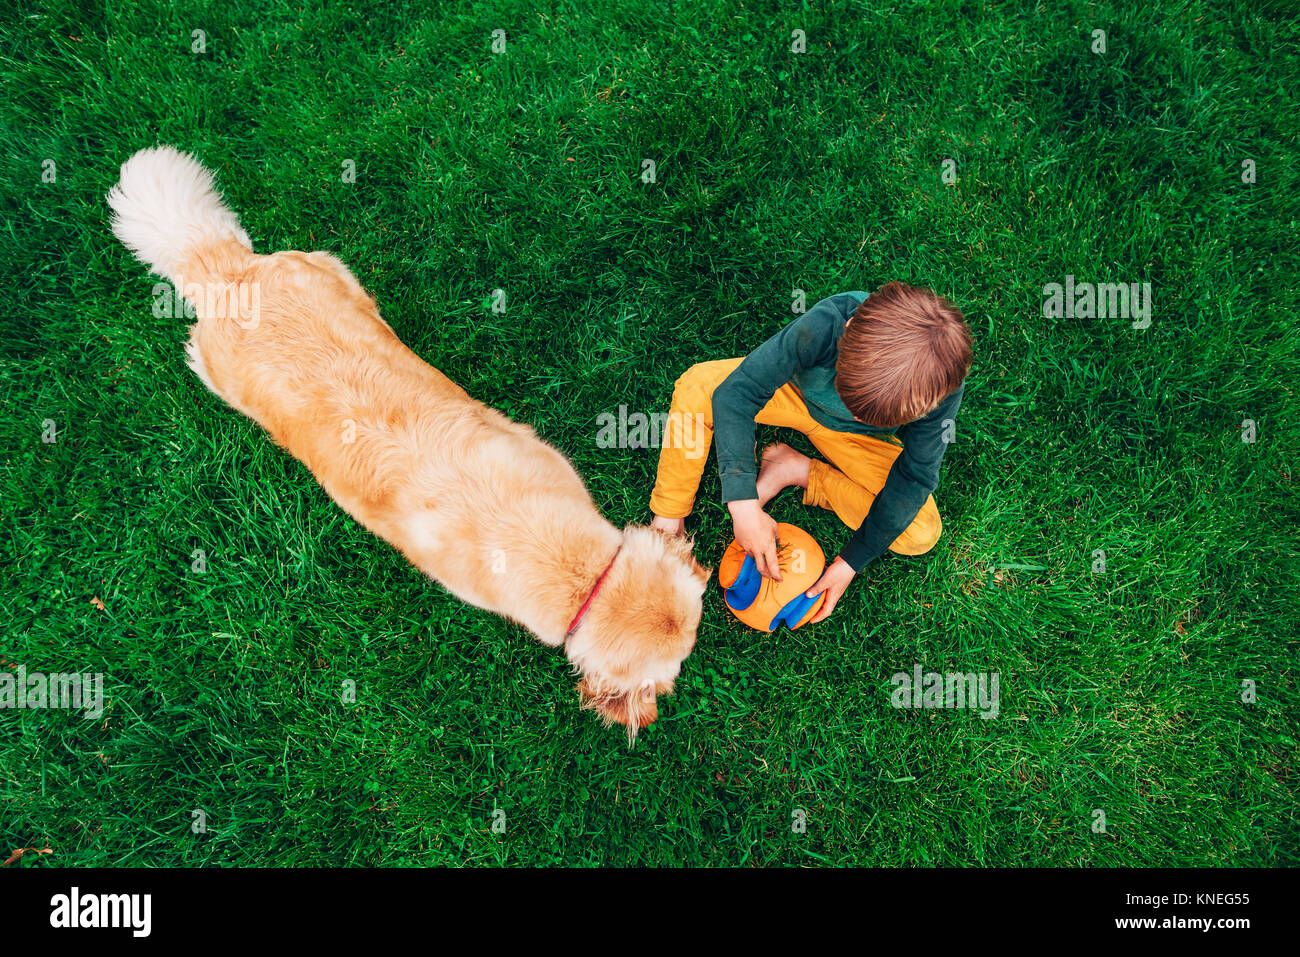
column 782, row 467
column 669, row 526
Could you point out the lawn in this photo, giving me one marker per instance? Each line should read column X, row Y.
column 1120, row 505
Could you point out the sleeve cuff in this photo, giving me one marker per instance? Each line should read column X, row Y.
column 858, row 554
column 738, row 486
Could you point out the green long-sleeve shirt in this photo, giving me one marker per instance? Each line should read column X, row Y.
column 803, row 354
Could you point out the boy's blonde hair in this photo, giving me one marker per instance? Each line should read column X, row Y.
column 903, row 352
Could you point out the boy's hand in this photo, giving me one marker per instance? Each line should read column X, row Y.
column 833, row 582
column 756, row 534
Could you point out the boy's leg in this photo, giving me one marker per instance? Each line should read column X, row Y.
column 685, row 444
column 681, row 461
column 864, row 464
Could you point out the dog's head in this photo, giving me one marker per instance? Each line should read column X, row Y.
column 641, row 626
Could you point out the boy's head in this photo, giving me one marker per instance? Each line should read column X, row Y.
column 902, row 353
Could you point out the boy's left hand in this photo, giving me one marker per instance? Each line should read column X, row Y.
column 833, row 581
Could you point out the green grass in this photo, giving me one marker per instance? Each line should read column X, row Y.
column 1119, row 691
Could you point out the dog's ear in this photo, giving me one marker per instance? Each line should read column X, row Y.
column 699, row 572
column 634, row 712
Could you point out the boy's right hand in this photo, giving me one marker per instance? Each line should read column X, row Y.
column 756, row 534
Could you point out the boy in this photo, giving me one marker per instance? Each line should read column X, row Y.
column 850, row 370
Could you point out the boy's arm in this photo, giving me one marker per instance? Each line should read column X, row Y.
column 805, row 342
column 914, row 475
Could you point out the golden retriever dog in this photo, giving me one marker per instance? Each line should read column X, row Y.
column 475, row 501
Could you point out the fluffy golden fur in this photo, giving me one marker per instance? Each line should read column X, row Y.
column 474, row 500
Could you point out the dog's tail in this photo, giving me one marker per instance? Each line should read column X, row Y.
column 166, row 209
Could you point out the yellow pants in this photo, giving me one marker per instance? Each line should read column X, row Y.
column 848, row 487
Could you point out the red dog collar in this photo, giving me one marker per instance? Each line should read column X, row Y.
column 586, row 605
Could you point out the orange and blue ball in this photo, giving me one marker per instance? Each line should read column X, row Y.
column 764, row 603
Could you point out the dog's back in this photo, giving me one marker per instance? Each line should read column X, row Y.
column 455, row 485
